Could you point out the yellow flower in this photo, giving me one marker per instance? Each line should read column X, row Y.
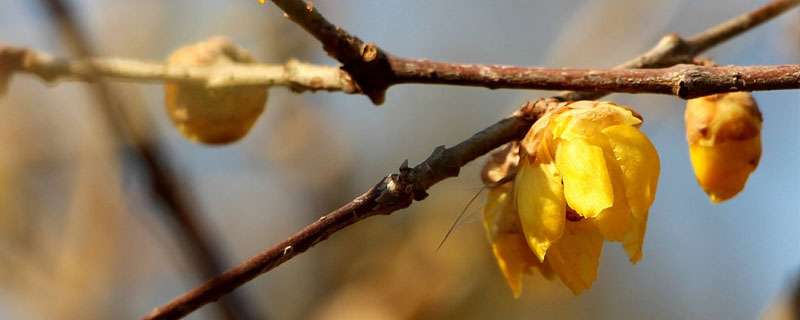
column 724, row 136
column 585, row 173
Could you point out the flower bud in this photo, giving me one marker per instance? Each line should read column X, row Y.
column 212, row 115
column 724, row 136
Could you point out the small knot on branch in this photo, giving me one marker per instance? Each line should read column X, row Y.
column 689, row 81
column 369, row 52
column 372, row 73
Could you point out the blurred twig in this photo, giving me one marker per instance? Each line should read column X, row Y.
column 163, row 181
column 794, row 300
column 294, row 74
column 398, row 190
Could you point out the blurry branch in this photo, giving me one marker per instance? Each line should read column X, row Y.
column 398, row 190
column 685, row 80
column 294, row 74
column 164, row 184
column 794, row 301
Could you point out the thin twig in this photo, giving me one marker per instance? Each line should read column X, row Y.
column 163, row 181
column 399, row 190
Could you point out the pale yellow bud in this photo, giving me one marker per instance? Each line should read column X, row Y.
column 212, row 115
column 724, row 136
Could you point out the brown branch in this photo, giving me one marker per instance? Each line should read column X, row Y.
column 375, row 70
column 366, row 63
column 685, row 81
column 399, row 190
column 731, row 28
column 163, row 181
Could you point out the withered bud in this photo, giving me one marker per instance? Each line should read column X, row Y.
column 213, row 115
column 501, row 165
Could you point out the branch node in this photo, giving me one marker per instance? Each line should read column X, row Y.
column 369, row 52
column 387, row 189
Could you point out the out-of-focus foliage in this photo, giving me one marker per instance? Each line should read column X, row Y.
column 62, row 266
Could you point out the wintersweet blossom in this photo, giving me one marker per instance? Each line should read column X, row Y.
column 585, row 173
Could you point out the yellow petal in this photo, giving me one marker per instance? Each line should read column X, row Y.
column 722, row 170
column 499, row 212
column 514, row 258
column 576, row 256
column 634, row 239
column 511, row 251
column 587, row 185
column 639, row 169
column 639, row 164
column 540, row 202
column 587, row 118
column 616, row 221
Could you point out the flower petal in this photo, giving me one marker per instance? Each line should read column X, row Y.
column 587, row 118
column 640, row 168
column 511, row 251
column 616, row 221
column 514, row 258
column 540, row 202
column 634, row 239
column 639, row 163
column 587, row 185
column 576, row 256
column 722, row 170
column 499, row 213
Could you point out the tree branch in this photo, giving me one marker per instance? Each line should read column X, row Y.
column 375, row 70
column 685, row 81
column 398, row 190
column 294, row 74
column 368, row 69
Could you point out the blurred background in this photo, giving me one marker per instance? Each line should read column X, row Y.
column 80, row 238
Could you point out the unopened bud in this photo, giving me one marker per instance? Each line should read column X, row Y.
column 213, row 115
column 724, row 136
